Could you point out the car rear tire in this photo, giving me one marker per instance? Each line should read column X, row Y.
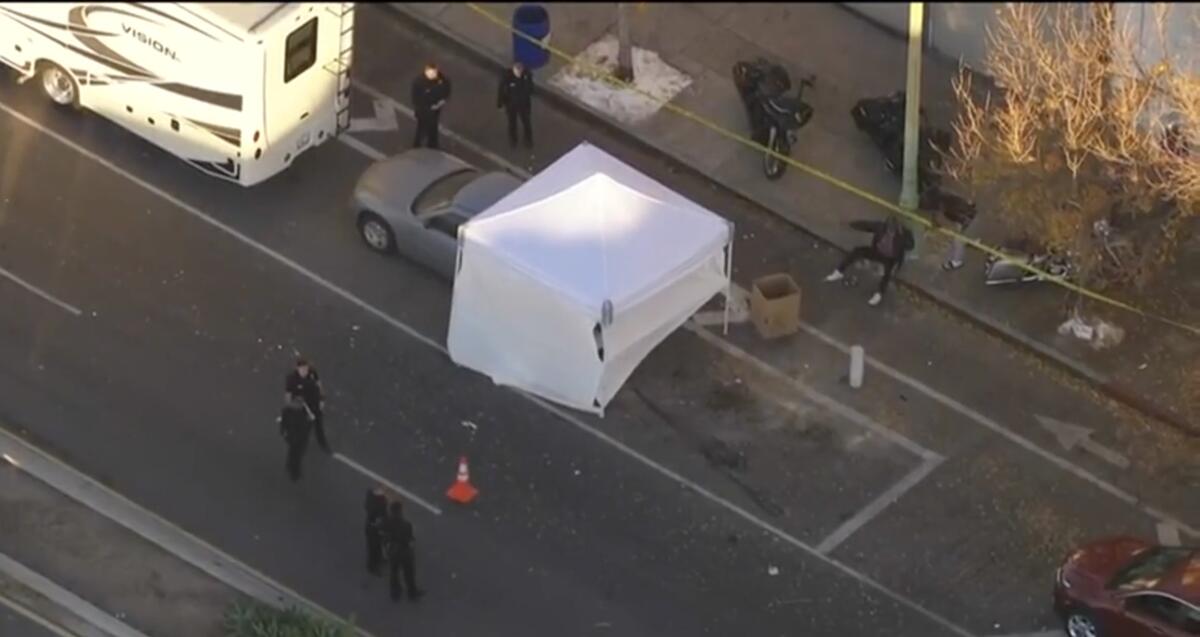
column 58, row 85
column 1080, row 623
column 376, row 233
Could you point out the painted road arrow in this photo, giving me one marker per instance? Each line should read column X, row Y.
column 384, row 120
column 1071, row 436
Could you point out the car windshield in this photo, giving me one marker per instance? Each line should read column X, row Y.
column 441, row 193
column 1146, row 569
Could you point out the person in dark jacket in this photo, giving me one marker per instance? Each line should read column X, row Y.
column 430, row 91
column 398, row 543
column 304, row 383
column 516, row 98
column 376, row 507
column 955, row 211
column 294, row 426
column 890, row 241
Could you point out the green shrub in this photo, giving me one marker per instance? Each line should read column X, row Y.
column 259, row 620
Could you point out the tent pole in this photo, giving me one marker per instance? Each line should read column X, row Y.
column 728, row 280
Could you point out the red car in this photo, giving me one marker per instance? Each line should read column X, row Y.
column 1125, row 587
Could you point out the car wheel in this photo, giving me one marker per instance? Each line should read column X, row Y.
column 1081, row 624
column 376, row 233
column 58, row 85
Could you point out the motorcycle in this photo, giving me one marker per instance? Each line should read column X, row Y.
column 1008, row 270
column 775, row 117
column 882, row 119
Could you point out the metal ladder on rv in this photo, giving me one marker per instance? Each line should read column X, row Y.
column 341, row 66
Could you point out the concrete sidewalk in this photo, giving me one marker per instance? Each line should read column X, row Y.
column 85, row 561
column 853, row 58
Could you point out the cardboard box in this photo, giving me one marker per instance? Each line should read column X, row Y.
column 775, row 305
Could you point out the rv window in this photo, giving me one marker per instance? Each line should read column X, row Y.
column 301, row 50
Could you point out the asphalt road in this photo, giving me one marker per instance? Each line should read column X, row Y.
column 167, row 384
column 166, row 387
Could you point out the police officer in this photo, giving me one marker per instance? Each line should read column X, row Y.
column 516, row 98
column 376, row 507
column 398, row 534
column 304, row 383
column 430, row 90
column 294, row 426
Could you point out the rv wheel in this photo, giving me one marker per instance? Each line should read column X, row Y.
column 58, row 85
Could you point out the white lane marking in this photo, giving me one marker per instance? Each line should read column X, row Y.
column 362, row 147
column 814, row 396
column 39, row 292
column 1045, row 633
column 154, row 528
column 389, row 484
column 455, row 137
column 1001, row 430
column 354, row 300
column 34, row 617
column 876, row 506
column 66, row 599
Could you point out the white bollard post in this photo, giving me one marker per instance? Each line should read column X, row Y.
column 857, row 357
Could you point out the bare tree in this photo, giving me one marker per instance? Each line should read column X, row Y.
column 1078, row 138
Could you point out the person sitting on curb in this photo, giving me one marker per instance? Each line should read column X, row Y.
column 958, row 212
column 890, row 241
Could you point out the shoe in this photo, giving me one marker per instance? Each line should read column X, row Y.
column 951, row 264
column 416, row 595
column 875, row 299
column 836, row 275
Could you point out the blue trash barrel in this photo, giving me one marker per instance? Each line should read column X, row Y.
column 534, row 21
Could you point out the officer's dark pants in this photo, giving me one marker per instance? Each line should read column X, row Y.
column 523, row 115
column 374, row 551
column 406, row 561
column 427, row 129
column 319, row 427
column 295, row 453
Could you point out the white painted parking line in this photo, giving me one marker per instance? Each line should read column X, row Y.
column 34, row 617
column 565, row 416
column 149, row 525
column 109, row 625
column 362, row 148
column 1044, row 633
column 39, row 292
column 389, row 484
column 872, row 510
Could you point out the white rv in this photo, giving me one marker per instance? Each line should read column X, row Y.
column 238, row 90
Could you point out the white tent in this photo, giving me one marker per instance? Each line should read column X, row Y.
column 567, row 283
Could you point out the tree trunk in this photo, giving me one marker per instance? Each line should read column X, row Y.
column 625, row 46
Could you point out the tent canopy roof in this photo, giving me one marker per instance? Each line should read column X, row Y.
column 598, row 230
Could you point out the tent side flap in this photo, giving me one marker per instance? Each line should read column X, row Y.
column 519, row 332
column 636, row 331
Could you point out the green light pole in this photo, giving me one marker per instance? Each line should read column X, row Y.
column 909, row 194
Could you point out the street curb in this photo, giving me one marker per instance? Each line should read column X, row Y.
column 1078, row 370
column 151, row 527
column 34, row 585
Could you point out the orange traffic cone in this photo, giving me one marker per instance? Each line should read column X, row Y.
column 462, row 492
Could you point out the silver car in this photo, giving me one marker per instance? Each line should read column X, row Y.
column 413, row 204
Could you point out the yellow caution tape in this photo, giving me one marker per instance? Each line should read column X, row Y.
column 908, row 214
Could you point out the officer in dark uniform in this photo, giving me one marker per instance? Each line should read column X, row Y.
column 516, row 98
column 304, row 383
column 376, row 506
column 294, row 426
column 430, row 90
column 399, row 545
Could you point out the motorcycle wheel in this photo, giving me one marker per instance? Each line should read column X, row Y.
column 773, row 167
